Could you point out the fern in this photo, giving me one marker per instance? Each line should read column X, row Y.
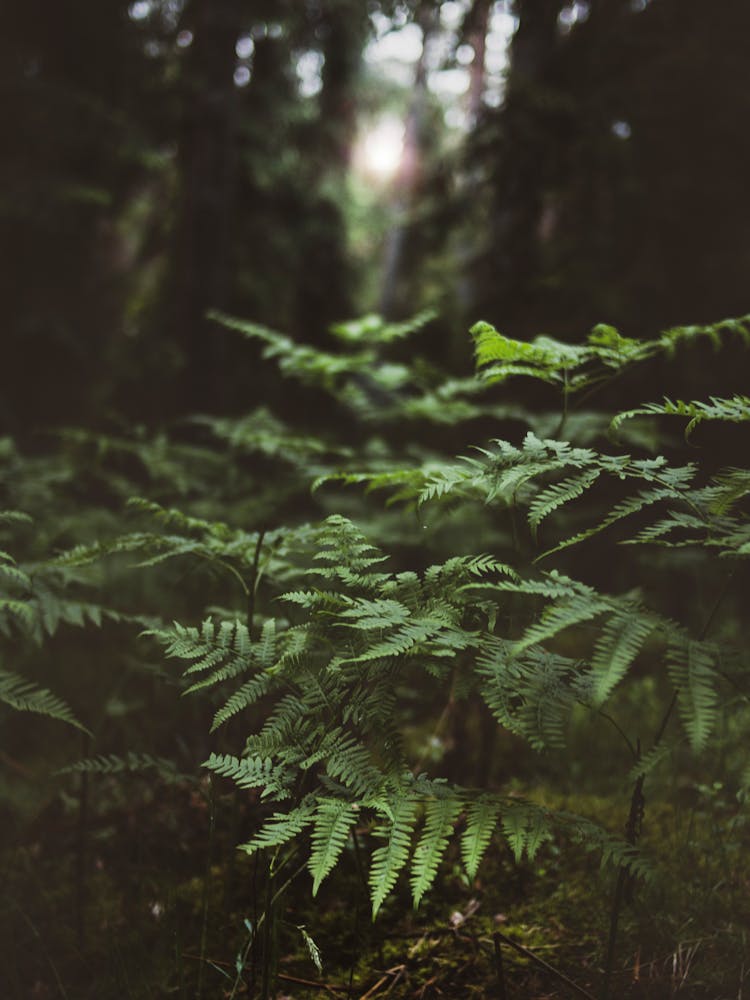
column 526, row 827
column 253, row 772
column 618, row 644
column 440, row 817
column 481, row 821
column 736, row 410
column 388, row 860
column 692, row 667
column 334, row 819
column 24, row 696
column 281, row 828
column 555, row 496
column 131, row 762
column 578, row 367
column 347, row 639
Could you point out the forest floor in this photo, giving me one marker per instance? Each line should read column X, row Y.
column 136, row 892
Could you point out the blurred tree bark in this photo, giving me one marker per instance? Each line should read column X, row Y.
column 400, row 258
column 206, row 213
column 525, row 152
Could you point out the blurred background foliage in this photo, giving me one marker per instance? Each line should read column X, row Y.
column 540, row 164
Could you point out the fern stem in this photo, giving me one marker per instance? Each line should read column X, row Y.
column 632, row 829
column 622, row 733
column 269, row 923
column 501, row 993
column 207, row 884
column 636, row 805
column 253, row 588
column 527, row 953
column 81, row 847
column 564, row 415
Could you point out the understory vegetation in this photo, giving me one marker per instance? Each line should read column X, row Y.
column 421, row 683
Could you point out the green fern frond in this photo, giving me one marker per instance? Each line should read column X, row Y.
column 226, row 651
column 11, row 576
column 557, row 494
column 440, row 817
column 130, row 762
column 388, row 860
column 613, row 851
column 619, row 642
column 21, row 611
column 281, row 828
column 557, row 617
column 626, row 508
column 692, row 668
column 650, row 761
column 729, row 487
column 15, row 517
column 481, row 821
column 526, row 827
column 24, row 696
column 735, row 409
column 352, row 764
column 252, row 772
column 334, row 818
column 245, row 696
column 374, row 329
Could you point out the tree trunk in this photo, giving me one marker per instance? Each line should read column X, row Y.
column 395, row 283
column 207, row 159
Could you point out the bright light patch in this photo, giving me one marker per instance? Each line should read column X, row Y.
column 381, row 148
column 449, row 83
column 310, row 73
column 621, row 129
column 241, row 76
column 140, row 10
column 404, row 44
column 451, row 14
column 244, row 47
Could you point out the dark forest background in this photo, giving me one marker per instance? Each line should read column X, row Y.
column 150, row 174
column 178, row 180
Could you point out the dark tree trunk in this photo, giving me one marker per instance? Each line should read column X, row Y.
column 525, row 151
column 476, row 36
column 208, row 155
column 396, row 283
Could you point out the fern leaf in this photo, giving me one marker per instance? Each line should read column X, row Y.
column 24, row 696
column 281, row 828
column 692, row 669
column 481, row 820
column 626, row 508
column 557, row 617
column 131, row 762
column 250, row 692
column 440, row 817
column 558, row 494
column 20, row 610
column 252, row 772
column 515, row 821
column 735, row 409
column 334, row 819
column 618, row 644
column 388, row 860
